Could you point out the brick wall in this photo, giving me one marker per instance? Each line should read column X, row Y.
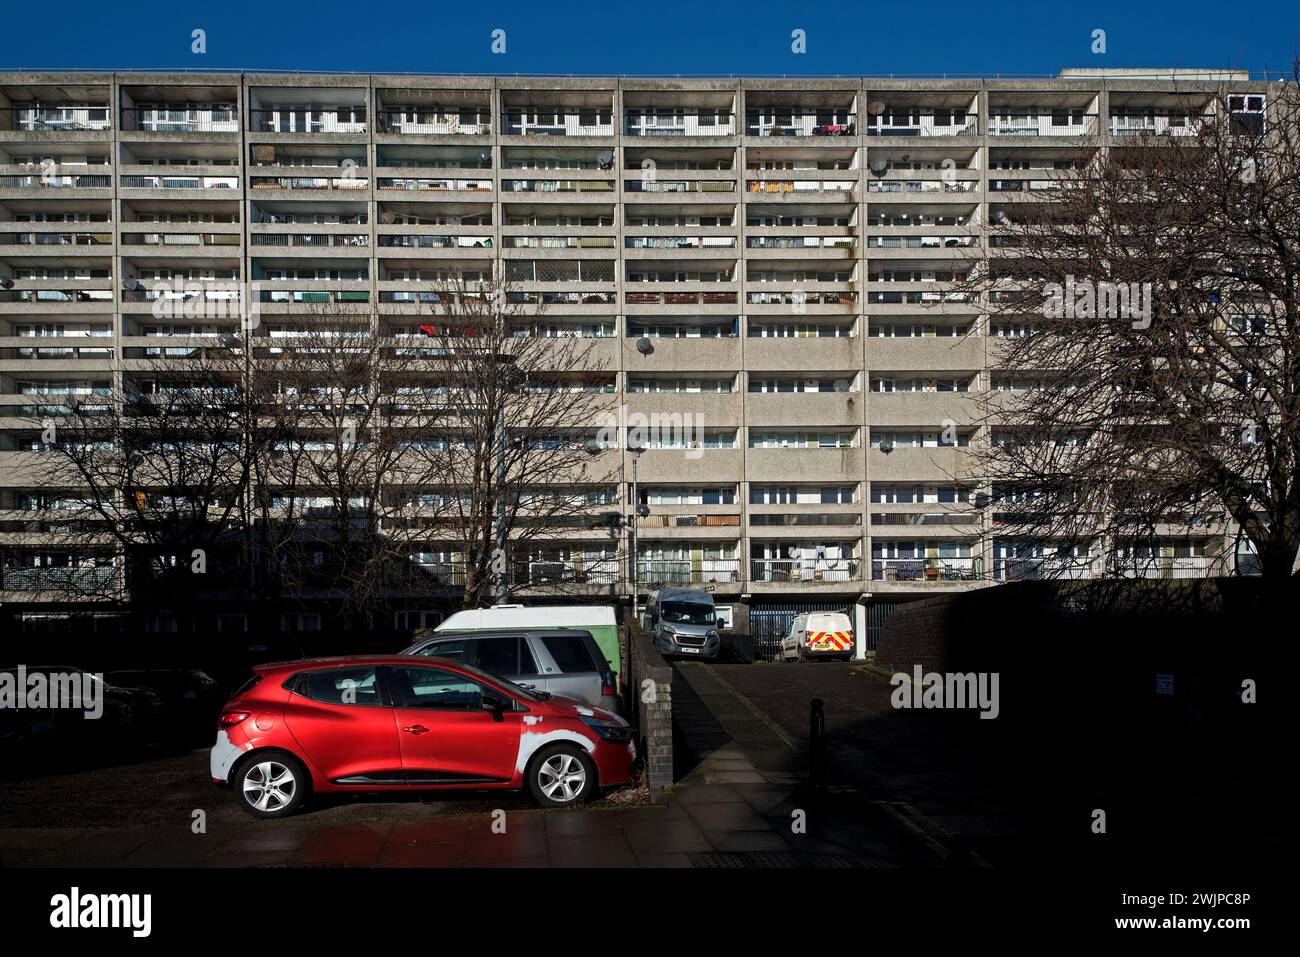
column 918, row 633
column 649, row 694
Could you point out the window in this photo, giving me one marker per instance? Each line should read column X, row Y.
column 436, row 688
column 507, row 655
column 453, row 649
column 571, row 654
column 357, row 686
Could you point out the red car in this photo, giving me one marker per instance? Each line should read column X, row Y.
column 404, row 722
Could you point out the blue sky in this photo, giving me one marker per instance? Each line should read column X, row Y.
column 660, row 36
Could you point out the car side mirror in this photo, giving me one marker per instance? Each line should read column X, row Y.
column 721, row 623
column 495, row 704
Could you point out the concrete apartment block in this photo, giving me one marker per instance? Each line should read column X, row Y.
column 783, row 243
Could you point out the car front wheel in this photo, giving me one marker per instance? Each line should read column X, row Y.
column 271, row 785
column 561, row 776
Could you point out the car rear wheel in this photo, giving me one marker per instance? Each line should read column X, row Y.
column 271, row 785
column 561, row 776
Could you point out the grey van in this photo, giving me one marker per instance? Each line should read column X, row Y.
column 564, row 662
column 683, row 621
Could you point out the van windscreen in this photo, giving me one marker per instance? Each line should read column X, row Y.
column 688, row 613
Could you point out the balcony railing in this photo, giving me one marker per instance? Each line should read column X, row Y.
column 679, row 298
column 796, row 124
column 1135, row 124
column 704, row 123
column 180, row 239
column 1162, row 567
column 180, row 182
column 41, row 181
column 59, row 579
column 315, row 119
column 55, row 118
column 415, row 121
column 309, row 240
column 1037, row 569
column 309, row 182
column 1043, row 124
column 679, row 186
column 56, row 239
column 214, row 119
column 686, row 571
column 434, row 183
column 916, row 123
column 581, row 123
column 803, row 570
column 924, row 569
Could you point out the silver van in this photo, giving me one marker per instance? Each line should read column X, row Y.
column 683, row 621
column 564, row 662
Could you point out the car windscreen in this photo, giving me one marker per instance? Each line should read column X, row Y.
column 688, row 613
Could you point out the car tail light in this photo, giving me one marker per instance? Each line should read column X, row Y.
column 231, row 718
column 608, row 683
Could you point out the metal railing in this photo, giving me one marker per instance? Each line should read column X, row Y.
column 214, row 119
column 290, row 119
column 804, row 569
column 924, row 569
column 416, row 121
column 653, row 572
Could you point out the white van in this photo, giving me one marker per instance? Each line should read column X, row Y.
column 819, row 634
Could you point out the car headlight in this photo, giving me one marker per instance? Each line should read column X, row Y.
column 608, row 730
column 710, row 634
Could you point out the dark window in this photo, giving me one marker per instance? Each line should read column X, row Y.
column 498, row 656
column 340, row 686
column 436, row 688
column 447, row 649
column 247, row 686
column 570, row 653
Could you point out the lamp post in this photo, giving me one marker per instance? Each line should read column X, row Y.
column 638, row 510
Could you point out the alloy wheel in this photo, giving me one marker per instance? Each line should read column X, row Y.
column 269, row 786
column 562, row 777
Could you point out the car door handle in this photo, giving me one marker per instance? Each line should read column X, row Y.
column 416, row 729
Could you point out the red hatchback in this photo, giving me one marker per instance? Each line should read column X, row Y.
column 405, row 722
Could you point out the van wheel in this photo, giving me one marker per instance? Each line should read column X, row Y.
column 561, row 776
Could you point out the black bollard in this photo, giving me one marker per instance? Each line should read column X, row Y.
column 817, row 745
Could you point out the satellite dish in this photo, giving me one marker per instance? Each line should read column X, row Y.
column 841, row 385
column 981, row 499
column 878, row 166
column 876, row 106
column 886, row 447
column 131, row 284
column 388, row 218
column 605, row 159
column 645, row 346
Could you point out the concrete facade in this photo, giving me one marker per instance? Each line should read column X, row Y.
column 782, row 243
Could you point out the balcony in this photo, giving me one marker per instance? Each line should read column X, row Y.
column 432, row 121
column 181, row 119
column 923, row 570
column 655, row 572
column 676, row 122
column 804, row 570
column 307, row 119
column 797, row 123
column 927, row 123
column 1051, row 123
column 56, row 119
column 553, row 122
column 1157, row 124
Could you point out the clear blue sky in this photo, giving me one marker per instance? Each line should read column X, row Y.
column 650, row 36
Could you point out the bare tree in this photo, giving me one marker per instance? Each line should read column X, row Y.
column 1145, row 347
column 515, row 474
column 145, row 487
column 340, row 470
